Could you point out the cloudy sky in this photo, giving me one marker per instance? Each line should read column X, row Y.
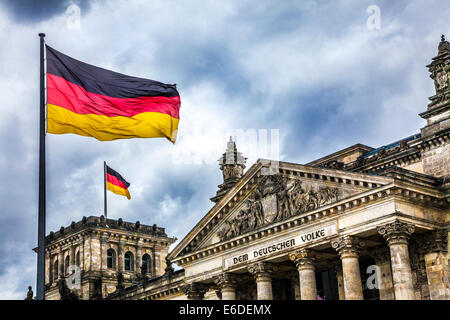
column 326, row 74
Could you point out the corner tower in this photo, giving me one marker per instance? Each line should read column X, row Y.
column 438, row 111
column 100, row 256
column 433, row 143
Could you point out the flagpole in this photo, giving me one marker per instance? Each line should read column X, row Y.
column 41, row 218
column 104, row 184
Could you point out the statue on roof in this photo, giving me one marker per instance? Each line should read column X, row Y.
column 29, row 294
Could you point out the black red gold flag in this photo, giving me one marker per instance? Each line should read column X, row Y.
column 116, row 183
column 90, row 101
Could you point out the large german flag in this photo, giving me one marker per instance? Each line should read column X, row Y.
column 116, row 183
column 95, row 102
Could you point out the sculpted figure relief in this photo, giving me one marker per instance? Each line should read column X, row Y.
column 290, row 197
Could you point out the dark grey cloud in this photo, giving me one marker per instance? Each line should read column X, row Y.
column 33, row 11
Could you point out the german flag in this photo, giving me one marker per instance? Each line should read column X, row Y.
column 116, row 183
column 90, row 101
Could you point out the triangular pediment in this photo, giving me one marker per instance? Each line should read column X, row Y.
column 259, row 200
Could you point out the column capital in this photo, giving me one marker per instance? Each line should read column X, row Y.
column 195, row 291
column 225, row 280
column 304, row 259
column 347, row 246
column 396, row 232
column 261, row 270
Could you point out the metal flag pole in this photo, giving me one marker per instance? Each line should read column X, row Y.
column 42, row 196
column 104, row 176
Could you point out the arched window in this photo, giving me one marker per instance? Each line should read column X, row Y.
column 146, row 263
column 78, row 261
column 55, row 270
column 111, row 259
column 128, row 261
column 66, row 264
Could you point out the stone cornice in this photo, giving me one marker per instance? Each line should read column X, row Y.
column 340, row 153
column 406, row 157
column 435, row 109
column 95, row 224
column 431, row 142
column 109, row 235
column 399, row 189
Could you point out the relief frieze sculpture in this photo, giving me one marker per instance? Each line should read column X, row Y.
column 276, row 198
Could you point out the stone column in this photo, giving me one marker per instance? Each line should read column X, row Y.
column 340, row 279
column 227, row 284
column 72, row 254
column 48, row 263
column 384, row 275
column 195, row 291
column 138, row 257
column 397, row 235
column 348, row 248
column 120, row 253
column 60, row 264
column 82, row 263
column 304, row 261
column 435, row 247
column 102, row 253
column 262, row 271
column 295, row 283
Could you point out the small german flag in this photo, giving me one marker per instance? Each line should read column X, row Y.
column 116, row 183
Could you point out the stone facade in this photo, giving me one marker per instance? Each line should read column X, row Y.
column 361, row 223
column 99, row 249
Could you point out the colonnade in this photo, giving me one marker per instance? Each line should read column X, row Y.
column 394, row 274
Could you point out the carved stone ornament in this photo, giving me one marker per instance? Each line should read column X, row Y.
column 225, row 280
column 396, row 232
column 303, row 259
column 334, row 165
column 261, row 270
column 276, row 198
column 195, row 291
column 169, row 269
column 441, row 80
column 64, row 292
column 347, row 246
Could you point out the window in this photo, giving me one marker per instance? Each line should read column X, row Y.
column 66, row 264
column 55, row 270
column 78, row 258
column 128, row 261
column 111, row 259
column 146, row 263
